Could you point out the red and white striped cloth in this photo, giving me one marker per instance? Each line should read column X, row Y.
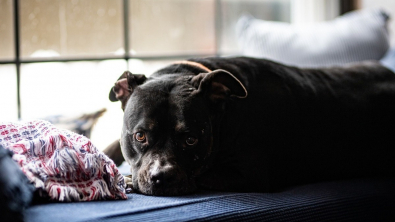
column 62, row 164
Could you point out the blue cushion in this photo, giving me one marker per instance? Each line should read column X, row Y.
column 352, row 200
column 389, row 60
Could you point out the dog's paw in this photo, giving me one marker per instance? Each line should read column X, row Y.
column 128, row 182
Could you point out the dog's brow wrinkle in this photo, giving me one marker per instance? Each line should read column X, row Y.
column 180, row 127
column 145, row 125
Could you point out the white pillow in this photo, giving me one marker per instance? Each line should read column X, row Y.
column 355, row 36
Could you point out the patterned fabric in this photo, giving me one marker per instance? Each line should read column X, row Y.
column 62, row 164
column 338, row 201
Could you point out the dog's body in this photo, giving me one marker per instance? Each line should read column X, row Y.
column 252, row 125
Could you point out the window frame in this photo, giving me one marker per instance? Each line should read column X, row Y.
column 18, row 61
column 345, row 6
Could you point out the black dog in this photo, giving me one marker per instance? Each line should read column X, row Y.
column 252, row 125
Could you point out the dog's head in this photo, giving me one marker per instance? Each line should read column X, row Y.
column 167, row 135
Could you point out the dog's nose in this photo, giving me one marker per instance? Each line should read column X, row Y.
column 158, row 178
column 162, row 175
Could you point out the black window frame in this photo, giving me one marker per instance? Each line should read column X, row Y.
column 18, row 61
column 346, row 5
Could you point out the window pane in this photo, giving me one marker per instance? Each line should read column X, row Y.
column 72, row 89
column 8, row 93
column 71, row 28
column 6, row 30
column 168, row 27
column 231, row 10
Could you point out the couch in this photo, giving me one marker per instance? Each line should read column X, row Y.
column 364, row 199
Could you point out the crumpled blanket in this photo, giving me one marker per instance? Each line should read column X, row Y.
column 61, row 164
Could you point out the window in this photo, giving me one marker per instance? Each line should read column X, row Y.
column 6, row 31
column 8, row 95
column 85, row 28
column 62, row 57
column 171, row 27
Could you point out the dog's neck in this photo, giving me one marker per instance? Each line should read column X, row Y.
column 194, row 64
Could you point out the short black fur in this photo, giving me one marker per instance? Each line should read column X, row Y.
column 295, row 126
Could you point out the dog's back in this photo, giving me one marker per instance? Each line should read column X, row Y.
column 260, row 125
column 307, row 125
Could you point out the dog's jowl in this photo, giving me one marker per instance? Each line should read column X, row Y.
column 252, row 125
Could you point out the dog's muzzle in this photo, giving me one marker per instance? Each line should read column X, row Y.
column 163, row 178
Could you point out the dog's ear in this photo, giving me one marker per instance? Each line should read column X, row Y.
column 124, row 87
column 219, row 85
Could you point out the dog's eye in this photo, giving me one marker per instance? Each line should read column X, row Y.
column 140, row 136
column 191, row 140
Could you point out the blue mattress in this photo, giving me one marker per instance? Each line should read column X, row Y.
column 352, row 200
